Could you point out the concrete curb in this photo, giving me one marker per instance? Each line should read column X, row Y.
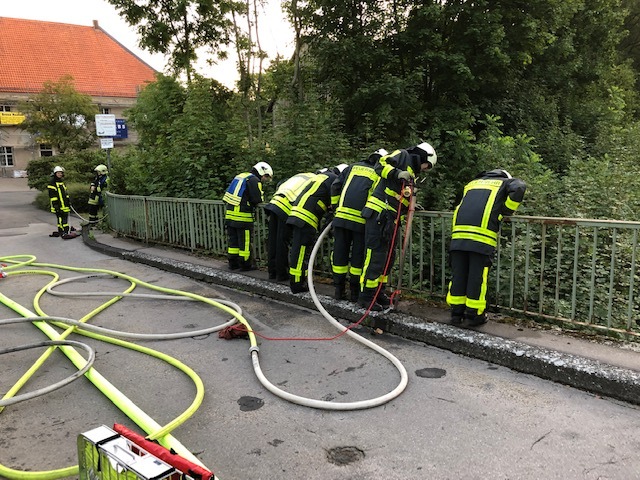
column 578, row 372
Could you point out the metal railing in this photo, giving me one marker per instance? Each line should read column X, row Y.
column 572, row 270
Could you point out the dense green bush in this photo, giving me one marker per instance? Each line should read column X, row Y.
column 78, row 168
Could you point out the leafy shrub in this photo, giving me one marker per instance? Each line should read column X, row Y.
column 78, row 196
column 78, row 168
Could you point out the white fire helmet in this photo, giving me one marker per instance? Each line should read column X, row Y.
column 432, row 157
column 263, row 168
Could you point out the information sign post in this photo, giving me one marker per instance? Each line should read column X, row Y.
column 106, row 130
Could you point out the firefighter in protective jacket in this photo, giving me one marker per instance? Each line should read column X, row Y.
column 349, row 193
column 476, row 222
column 311, row 204
column 278, row 210
column 242, row 196
column 59, row 203
column 383, row 214
column 97, row 187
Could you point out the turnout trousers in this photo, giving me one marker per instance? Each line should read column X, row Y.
column 302, row 241
column 467, row 294
column 239, row 249
column 348, row 254
column 378, row 255
column 62, row 218
column 278, row 245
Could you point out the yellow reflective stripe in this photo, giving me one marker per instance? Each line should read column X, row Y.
column 475, row 230
column 296, row 271
column 283, row 203
column 481, row 304
column 237, row 215
column 355, row 272
column 475, row 238
column 233, row 250
column 376, row 204
column 455, row 299
column 339, row 269
column 373, row 283
column 305, row 216
column 245, row 253
column 511, row 204
column 386, row 170
column 350, row 214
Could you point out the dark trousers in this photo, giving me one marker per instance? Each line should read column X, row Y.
column 239, row 245
column 302, row 241
column 63, row 221
column 278, row 245
column 468, row 287
column 347, row 256
column 93, row 213
column 379, row 256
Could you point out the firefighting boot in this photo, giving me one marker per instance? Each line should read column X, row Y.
column 365, row 300
column 354, row 290
column 234, row 262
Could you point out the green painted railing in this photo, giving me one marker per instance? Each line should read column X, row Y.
column 565, row 269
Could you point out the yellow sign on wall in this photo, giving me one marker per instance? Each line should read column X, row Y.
column 11, row 118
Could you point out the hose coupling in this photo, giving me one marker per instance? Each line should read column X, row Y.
column 254, row 348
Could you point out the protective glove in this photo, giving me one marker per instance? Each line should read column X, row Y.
column 404, row 175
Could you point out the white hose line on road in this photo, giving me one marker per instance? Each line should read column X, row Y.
column 322, row 404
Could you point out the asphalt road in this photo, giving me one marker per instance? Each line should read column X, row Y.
column 458, row 418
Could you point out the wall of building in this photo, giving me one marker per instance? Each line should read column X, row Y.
column 24, row 147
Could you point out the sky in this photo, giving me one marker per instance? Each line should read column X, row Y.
column 276, row 36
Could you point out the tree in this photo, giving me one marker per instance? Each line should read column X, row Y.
column 60, row 116
column 178, row 28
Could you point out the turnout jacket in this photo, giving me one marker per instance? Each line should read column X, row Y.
column 349, row 194
column 242, row 196
column 100, row 184
column 387, row 194
column 58, row 196
column 313, row 201
column 486, row 201
column 286, row 193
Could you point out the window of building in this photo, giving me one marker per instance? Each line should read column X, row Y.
column 5, row 108
column 6, row 156
column 46, row 150
column 105, row 111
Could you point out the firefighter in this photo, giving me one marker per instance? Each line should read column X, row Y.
column 59, row 203
column 308, row 208
column 349, row 193
column 487, row 199
column 397, row 171
column 242, row 196
column 278, row 210
column 98, row 186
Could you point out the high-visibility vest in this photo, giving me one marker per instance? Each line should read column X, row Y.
column 287, row 193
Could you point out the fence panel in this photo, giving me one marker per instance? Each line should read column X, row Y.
column 573, row 270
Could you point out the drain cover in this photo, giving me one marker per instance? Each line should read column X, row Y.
column 344, row 455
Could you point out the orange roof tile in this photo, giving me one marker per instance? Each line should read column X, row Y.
column 33, row 52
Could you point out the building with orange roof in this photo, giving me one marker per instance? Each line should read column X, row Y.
column 33, row 52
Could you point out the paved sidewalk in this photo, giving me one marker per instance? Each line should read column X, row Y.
column 601, row 367
column 10, row 184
